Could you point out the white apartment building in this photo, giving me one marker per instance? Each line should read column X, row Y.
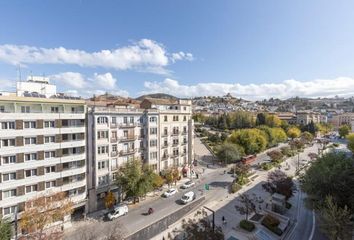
column 160, row 133
column 42, row 150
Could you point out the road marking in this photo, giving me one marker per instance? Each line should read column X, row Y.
column 313, row 224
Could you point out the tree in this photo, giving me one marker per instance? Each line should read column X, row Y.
column 228, row 152
column 310, row 127
column 331, row 174
column 5, row 230
column 241, row 170
column 293, row 132
column 272, row 121
column 275, row 156
column 247, row 204
column 172, row 175
column 279, row 182
column 261, row 119
column 296, row 144
column 336, row 220
column 350, row 138
column 135, row 179
column 109, row 200
column 279, row 135
column 157, row 181
column 306, row 137
column 286, row 151
column 344, row 130
column 324, row 128
column 241, row 119
column 201, row 229
column 42, row 211
column 252, row 140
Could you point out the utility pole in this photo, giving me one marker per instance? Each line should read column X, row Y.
column 213, row 212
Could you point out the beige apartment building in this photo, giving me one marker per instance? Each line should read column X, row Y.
column 341, row 119
column 304, row 118
column 159, row 132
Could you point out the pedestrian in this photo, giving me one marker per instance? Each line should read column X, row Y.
column 223, row 220
column 197, row 175
column 266, row 205
column 224, row 171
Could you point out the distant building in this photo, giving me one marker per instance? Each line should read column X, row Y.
column 341, row 119
column 304, row 117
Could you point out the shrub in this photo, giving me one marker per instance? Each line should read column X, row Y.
column 272, row 223
column 235, row 187
column 247, row 225
column 242, row 181
column 266, row 166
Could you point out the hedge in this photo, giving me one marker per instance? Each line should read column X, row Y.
column 247, row 225
column 272, row 223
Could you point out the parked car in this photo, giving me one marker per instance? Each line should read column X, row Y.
column 170, row 192
column 188, row 184
column 188, row 197
column 118, row 211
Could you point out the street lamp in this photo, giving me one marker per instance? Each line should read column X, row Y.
column 213, row 212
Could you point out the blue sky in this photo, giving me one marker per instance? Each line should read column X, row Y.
column 253, row 49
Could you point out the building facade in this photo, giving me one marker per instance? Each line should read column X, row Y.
column 158, row 132
column 42, row 150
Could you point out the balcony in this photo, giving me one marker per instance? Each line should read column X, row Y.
column 183, row 143
column 175, row 144
column 114, row 140
column 164, row 146
column 165, row 134
column 142, row 136
column 165, row 157
column 128, row 138
column 129, row 125
column 184, row 133
column 174, row 133
column 127, row 152
column 113, row 125
column 114, row 154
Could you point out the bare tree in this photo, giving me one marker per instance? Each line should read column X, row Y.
column 247, row 204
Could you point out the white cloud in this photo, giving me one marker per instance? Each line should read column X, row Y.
column 105, row 80
column 181, row 56
column 71, row 79
column 342, row 86
column 144, row 55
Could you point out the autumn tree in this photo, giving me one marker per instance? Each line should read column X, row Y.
column 293, row 132
column 109, row 200
column 172, row 175
column 275, row 156
column 42, row 211
column 306, row 137
column 344, row 130
column 279, row 182
column 252, row 140
column 241, row 170
column 157, row 181
column 272, row 121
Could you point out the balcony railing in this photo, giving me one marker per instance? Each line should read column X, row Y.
column 174, row 133
column 184, row 133
column 165, row 157
column 114, row 154
column 114, row 140
column 164, row 146
column 175, row 144
column 114, row 125
column 183, row 143
column 127, row 152
column 129, row 125
column 128, row 138
column 164, row 134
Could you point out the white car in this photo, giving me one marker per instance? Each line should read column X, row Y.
column 188, row 197
column 118, row 211
column 170, row 192
column 188, row 184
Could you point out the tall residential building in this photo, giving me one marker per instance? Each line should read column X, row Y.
column 42, row 148
column 158, row 132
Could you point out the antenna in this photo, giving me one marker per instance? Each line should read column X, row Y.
column 19, row 72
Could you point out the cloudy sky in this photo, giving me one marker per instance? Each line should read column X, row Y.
column 252, row 49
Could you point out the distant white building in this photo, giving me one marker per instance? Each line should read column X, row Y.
column 35, row 86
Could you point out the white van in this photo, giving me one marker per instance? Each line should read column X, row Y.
column 118, row 211
column 188, row 197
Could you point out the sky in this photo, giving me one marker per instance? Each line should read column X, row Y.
column 253, row 49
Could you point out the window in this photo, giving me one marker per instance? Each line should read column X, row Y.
column 153, row 119
column 50, row 184
column 185, row 129
column 102, row 134
column 153, row 130
column 114, row 120
column 184, row 108
column 50, row 169
column 32, row 188
column 31, row 172
column 103, row 164
column 29, row 124
column 54, row 109
column 9, row 193
column 184, row 118
column 125, row 120
column 165, row 118
column 30, row 156
column 153, row 143
column 153, row 155
column 8, row 142
column 10, row 210
column 50, row 154
column 102, row 120
column 102, row 150
column 103, row 180
column 114, row 148
column 9, row 176
column 114, row 134
column 30, row 140
column 8, row 125
column 49, row 124
column 25, row 109
column 131, row 120
column 175, row 141
column 175, row 118
column 49, row 139
column 8, row 159
column 2, row 109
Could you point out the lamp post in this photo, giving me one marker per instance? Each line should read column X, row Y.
column 213, row 212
